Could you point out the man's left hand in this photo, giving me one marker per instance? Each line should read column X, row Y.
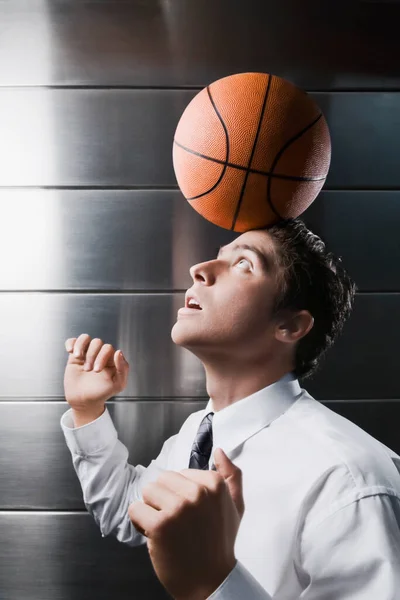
column 191, row 520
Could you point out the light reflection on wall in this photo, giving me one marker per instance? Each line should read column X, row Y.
column 32, row 249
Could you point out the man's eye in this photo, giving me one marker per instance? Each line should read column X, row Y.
column 244, row 260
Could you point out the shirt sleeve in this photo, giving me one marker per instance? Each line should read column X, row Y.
column 240, row 584
column 354, row 552
column 109, row 484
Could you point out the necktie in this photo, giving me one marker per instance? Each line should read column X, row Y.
column 202, row 445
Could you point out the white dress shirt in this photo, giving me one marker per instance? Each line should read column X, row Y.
column 322, row 496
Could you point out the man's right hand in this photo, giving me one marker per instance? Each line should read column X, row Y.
column 87, row 390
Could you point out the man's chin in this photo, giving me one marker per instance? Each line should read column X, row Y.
column 182, row 337
column 178, row 336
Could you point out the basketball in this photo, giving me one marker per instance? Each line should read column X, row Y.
column 251, row 149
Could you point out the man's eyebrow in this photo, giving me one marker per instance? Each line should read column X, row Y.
column 266, row 261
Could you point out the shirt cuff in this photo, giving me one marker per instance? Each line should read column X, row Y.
column 89, row 438
column 240, row 584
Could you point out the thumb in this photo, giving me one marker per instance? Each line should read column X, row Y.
column 233, row 477
column 121, row 365
column 120, row 361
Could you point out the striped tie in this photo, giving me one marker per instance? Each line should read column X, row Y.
column 202, row 446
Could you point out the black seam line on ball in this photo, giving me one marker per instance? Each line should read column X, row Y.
column 279, row 154
column 260, row 120
column 226, row 162
column 241, row 168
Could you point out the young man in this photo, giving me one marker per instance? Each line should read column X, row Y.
column 303, row 503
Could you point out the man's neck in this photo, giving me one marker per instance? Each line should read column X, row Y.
column 227, row 383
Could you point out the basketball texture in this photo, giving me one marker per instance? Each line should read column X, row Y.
column 251, row 149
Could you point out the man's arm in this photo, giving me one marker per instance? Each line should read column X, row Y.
column 351, row 554
column 109, row 484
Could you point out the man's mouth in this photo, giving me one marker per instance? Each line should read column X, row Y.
column 192, row 302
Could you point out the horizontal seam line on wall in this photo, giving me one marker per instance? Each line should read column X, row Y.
column 179, row 399
column 148, row 292
column 173, row 187
column 61, row 400
column 47, row 511
column 91, row 187
column 193, row 87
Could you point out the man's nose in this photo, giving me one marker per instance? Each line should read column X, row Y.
column 202, row 272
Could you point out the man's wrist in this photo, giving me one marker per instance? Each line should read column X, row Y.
column 222, row 576
column 86, row 416
column 213, row 582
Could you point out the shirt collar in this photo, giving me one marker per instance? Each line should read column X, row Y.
column 235, row 423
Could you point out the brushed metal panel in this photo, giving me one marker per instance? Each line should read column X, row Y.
column 35, row 463
column 362, row 363
column 365, row 132
column 35, row 457
column 379, row 418
column 123, row 138
column 59, row 137
column 34, row 328
column 108, row 240
column 50, row 556
column 164, row 43
column 148, row 239
column 362, row 228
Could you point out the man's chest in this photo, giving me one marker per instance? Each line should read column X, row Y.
column 267, row 540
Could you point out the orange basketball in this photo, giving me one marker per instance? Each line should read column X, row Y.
column 251, row 149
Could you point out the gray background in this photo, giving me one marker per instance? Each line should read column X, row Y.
column 96, row 238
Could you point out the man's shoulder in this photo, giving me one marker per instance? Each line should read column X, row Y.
column 340, row 446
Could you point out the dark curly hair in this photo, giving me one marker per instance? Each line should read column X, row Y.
column 313, row 279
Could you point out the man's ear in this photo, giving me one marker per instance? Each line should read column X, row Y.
column 294, row 326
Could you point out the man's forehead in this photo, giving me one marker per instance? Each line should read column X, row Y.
column 259, row 238
column 258, row 241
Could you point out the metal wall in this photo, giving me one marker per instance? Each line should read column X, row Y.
column 96, row 238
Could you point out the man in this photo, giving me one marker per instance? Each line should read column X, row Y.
column 303, row 503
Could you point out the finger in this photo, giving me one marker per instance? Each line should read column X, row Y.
column 81, row 345
column 228, row 473
column 161, row 497
column 120, row 362
column 181, row 485
column 122, row 367
column 69, row 344
column 91, row 353
column 233, row 477
column 98, row 354
column 144, row 518
column 211, row 480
